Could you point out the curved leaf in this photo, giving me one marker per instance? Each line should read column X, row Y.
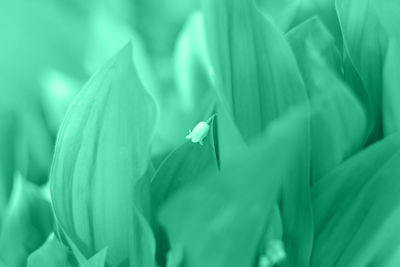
column 219, row 220
column 283, row 13
column 98, row 260
column 103, row 149
column 391, row 92
column 356, row 209
column 368, row 27
column 256, row 74
column 338, row 121
column 26, row 224
column 183, row 166
column 51, row 254
column 8, row 142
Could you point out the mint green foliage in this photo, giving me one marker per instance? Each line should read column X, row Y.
column 370, row 34
column 221, row 201
column 294, row 155
column 26, row 223
column 51, row 253
column 334, row 135
column 178, row 170
column 113, row 117
column 361, row 227
column 98, row 260
column 242, row 54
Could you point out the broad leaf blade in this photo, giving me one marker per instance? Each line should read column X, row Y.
column 97, row 260
column 185, row 165
column 223, row 223
column 368, row 27
column 52, row 254
column 338, row 121
column 103, row 148
column 255, row 72
column 361, row 228
column 26, row 224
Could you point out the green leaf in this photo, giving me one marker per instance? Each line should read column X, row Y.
column 391, row 92
column 312, row 38
column 283, row 13
column 338, row 121
column 256, row 74
column 192, row 66
column 215, row 220
column 51, row 254
column 8, row 159
column 326, row 10
column 356, row 209
column 183, row 166
column 58, row 91
column 103, row 149
column 192, row 98
column 26, row 224
column 98, row 260
column 368, row 28
column 78, row 256
column 143, row 244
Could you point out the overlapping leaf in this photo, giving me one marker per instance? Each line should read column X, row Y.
column 185, row 165
column 190, row 97
column 26, row 224
column 368, row 27
column 98, row 260
column 255, row 72
column 223, row 223
column 335, row 134
column 8, row 142
column 103, row 149
column 357, row 209
column 51, row 254
column 283, row 13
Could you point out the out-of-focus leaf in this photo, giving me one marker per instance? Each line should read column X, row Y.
column 97, row 260
column 38, row 144
column 102, row 150
column 391, row 91
column 107, row 34
column 192, row 66
column 40, row 35
column 326, row 10
column 312, row 38
column 58, row 91
column 257, row 79
column 28, row 148
column 357, row 209
column 255, row 72
column 338, row 127
column 51, row 254
column 185, row 165
column 191, row 98
column 295, row 201
column 27, row 222
column 368, row 27
column 77, row 255
column 164, row 18
column 216, row 221
column 142, row 242
column 9, row 129
column 182, row 167
column 283, row 13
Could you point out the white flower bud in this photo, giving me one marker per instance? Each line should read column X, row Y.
column 199, row 132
